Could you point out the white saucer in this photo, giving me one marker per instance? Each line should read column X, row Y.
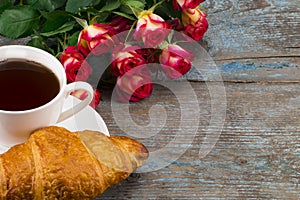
column 86, row 119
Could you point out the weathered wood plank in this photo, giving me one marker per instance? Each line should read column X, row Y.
column 253, row 70
column 261, row 70
column 246, row 29
column 255, row 157
column 254, row 40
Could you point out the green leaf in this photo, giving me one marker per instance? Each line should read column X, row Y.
column 150, row 3
column 4, row 2
column 63, row 29
column 74, row 6
column 125, row 9
column 41, row 43
column 125, row 15
column 111, row 5
column 5, row 6
column 73, row 39
column 19, row 21
column 38, row 41
column 166, row 11
column 136, row 11
column 96, row 2
column 135, row 3
column 82, row 22
column 54, row 20
column 49, row 5
column 100, row 18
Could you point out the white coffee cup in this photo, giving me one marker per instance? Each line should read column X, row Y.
column 16, row 126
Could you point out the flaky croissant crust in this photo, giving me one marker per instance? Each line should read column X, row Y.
column 58, row 164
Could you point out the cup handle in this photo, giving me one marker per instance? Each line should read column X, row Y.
column 79, row 85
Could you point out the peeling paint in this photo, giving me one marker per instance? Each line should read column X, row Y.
column 237, row 66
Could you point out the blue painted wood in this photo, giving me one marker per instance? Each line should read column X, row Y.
column 256, row 48
column 257, row 156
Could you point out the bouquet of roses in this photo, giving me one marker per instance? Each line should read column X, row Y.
column 132, row 33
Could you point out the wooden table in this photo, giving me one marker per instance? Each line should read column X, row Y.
column 239, row 143
column 256, row 46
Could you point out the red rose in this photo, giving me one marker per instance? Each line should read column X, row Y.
column 120, row 24
column 96, row 35
column 195, row 23
column 75, row 65
column 177, row 25
column 151, row 29
column 81, row 94
column 185, row 4
column 151, row 55
column 124, row 58
column 134, row 86
column 176, row 61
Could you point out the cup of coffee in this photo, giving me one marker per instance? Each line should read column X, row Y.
column 33, row 88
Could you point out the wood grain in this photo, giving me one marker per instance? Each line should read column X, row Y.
column 254, row 40
column 246, row 29
column 256, row 47
column 256, row 156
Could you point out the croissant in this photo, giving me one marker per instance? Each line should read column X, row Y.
column 58, row 164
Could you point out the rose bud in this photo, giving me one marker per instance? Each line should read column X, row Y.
column 134, row 86
column 151, row 29
column 96, row 35
column 81, row 94
column 175, row 61
column 75, row 65
column 124, row 58
column 185, row 4
column 195, row 23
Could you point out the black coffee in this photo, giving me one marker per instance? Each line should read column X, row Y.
column 25, row 85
